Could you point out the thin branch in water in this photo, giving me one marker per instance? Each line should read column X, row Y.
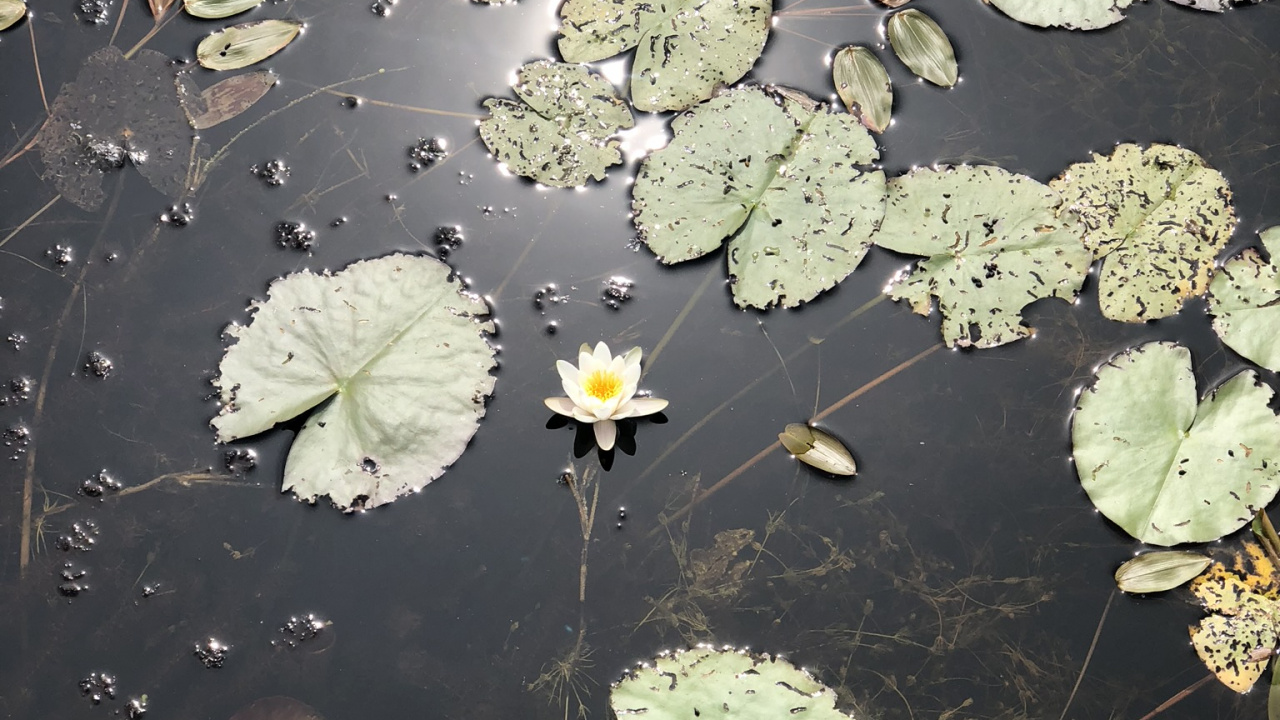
column 119, row 21
column 30, row 220
column 712, row 272
column 151, row 33
column 410, row 108
column 1179, row 697
column 35, row 58
column 1089, row 655
column 556, row 203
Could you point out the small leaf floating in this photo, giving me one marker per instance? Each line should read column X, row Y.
column 213, row 9
column 11, row 11
column 922, row 46
column 1159, row 571
column 225, row 100
column 864, row 87
column 816, row 448
column 245, row 44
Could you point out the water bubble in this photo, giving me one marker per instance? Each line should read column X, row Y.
column 272, row 173
column 102, row 155
column 178, row 216
column 17, row 340
column 150, row 589
column 97, row 364
column 465, row 178
column 487, row 210
column 20, row 389
column 616, row 291
column 337, row 222
column 448, row 239
column 548, row 295
column 82, row 537
column 622, row 513
column 381, row 9
column 294, row 236
column 111, row 257
column 240, row 460
column 60, row 255
column 93, row 12
column 135, row 708
column 351, row 101
column 552, row 327
column 98, row 686
column 17, row 437
column 212, row 652
column 73, row 582
column 99, row 484
column 427, row 151
column 300, row 629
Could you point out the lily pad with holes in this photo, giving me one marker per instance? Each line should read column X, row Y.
column 1244, row 299
column 708, row 683
column 1157, row 217
column 1070, row 14
column 1235, row 640
column 993, row 242
column 561, row 133
column 780, row 177
column 116, row 113
column 387, row 358
column 686, row 49
column 1166, row 469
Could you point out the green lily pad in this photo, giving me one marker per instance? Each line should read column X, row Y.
column 1164, row 469
column 562, row 134
column 1158, row 217
column 686, row 48
column 389, row 357
column 1071, row 14
column 1244, row 299
column 709, row 683
column 993, row 242
column 780, row 177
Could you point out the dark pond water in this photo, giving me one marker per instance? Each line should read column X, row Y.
column 964, row 552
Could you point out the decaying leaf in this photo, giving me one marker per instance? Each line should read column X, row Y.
column 921, row 45
column 562, row 132
column 1160, row 570
column 863, row 85
column 815, row 447
column 1235, row 641
column 1244, row 299
column 1071, row 14
column 393, row 354
column 214, row 9
column 245, row 44
column 685, row 48
column 277, row 707
column 708, row 683
column 116, row 113
column 158, row 7
column 226, row 99
column 1164, row 469
column 993, row 243
column 1158, row 217
column 780, row 177
column 11, row 11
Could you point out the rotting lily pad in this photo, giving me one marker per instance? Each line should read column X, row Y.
column 709, row 683
column 686, row 48
column 1244, row 299
column 1158, row 217
column 993, row 243
column 117, row 112
column 1071, row 14
column 562, row 134
column 1164, row 469
column 1233, row 642
column 780, row 177
column 393, row 355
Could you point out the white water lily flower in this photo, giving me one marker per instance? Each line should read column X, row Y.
column 602, row 389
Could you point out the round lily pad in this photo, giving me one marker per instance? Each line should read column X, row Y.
column 1244, row 299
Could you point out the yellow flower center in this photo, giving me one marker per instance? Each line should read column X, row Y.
column 602, row 385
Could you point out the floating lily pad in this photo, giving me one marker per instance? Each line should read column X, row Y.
column 116, row 113
column 1158, row 217
column 1071, row 14
column 389, row 355
column 562, row 134
column 1164, row 469
column 994, row 242
column 1234, row 641
column 686, row 48
column 11, row 11
column 726, row 683
column 245, row 44
column 1244, row 298
column 780, row 177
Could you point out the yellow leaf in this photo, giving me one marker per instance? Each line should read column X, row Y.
column 1236, row 642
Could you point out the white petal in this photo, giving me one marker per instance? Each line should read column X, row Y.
column 606, row 434
column 602, row 355
column 561, row 406
column 633, row 357
column 585, row 359
column 583, row 416
column 646, row 406
column 631, row 374
column 608, row 408
column 568, row 373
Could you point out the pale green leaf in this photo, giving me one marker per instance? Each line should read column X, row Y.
column 993, row 243
column 706, row 683
column 391, row 356
column 686, row 48
column 1244, row 299
column 1071, row 14
column 1209, row 5
column 816, row 448
column 1158, row 218
column 922, row 46
column 863, row 85
column 1163, row 469
column 562, row 133
column 214, row 9
column 11, row 11
column 242, row 45
column 1158, row 571
column 780, row 177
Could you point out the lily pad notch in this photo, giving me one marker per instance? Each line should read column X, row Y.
column 389, row 360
